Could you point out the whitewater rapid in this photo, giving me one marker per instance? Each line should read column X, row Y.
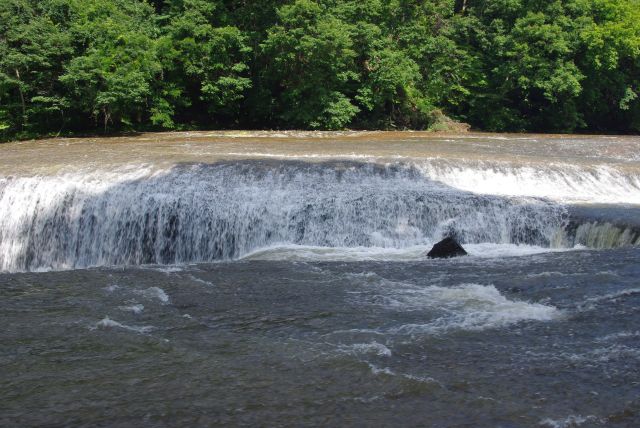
column 278, row 205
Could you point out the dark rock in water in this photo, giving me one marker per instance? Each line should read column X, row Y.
column 445, row 249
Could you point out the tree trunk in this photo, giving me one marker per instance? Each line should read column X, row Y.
column 461, row 6
column 107, row 117
column 22, row 101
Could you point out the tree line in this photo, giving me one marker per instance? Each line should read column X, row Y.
column 74, row 66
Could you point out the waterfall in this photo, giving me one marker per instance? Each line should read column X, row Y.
column 221, row 211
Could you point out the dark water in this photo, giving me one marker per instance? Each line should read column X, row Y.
column 538, row 340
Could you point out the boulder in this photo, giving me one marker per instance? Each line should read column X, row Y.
column 446, row 248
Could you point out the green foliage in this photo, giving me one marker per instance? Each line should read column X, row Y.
column 504, row 65
column 311, row 66
column 208, row 58
column 111, row 76
column 609, row 54
column 33, row 49
column 552, row 66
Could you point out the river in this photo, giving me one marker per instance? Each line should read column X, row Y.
column 280, row 279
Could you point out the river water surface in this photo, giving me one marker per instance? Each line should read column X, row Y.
column 263, row 279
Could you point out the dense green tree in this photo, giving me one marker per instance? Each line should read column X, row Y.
column 111, row 77
column 388, row 77
column 609, row 55
column 551, row 66
column 311, row 66
column 529, row 77
column 34, row 45
column 208, row 60
column 505, row 65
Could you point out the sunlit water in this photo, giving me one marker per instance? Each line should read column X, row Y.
column 280, row 279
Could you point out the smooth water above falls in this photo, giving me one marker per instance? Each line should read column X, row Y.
column 238, row 203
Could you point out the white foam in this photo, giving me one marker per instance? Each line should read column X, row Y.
column 591, row 302
column 551, row 274
column 154, row 293
column 290, row 252
column 559, row 182
column 108, row 323
column 547, row 274
column 614, row 296
column 367, row 348
column 136, row 309
column 385, row 370
column 423, row 379
column 314, row 253
column 168, row 269
column 464, row 307
column 571, row 421
column 200, row 281
column 320, row 156
column 388, row 372
column 615, row 352
column 619, row 336
column 492, row 250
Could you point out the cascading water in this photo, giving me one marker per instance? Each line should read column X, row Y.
column 211, row 212
column 206, row 212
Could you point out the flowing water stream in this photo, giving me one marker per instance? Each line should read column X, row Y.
column 280, row 279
